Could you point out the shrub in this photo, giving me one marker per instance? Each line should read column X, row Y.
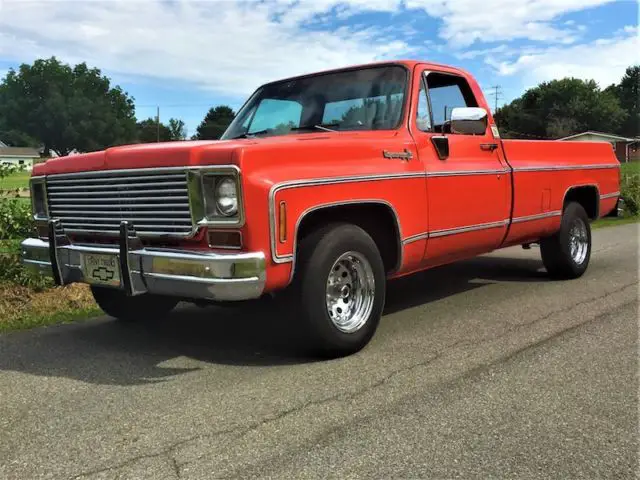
column 12, row 270
column 630, row 194
column 16, row 220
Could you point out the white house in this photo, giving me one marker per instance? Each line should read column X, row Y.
column 626, row 148
column 18, row 156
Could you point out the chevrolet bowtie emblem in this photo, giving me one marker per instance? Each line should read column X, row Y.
column 103, row 274
column 404, row 155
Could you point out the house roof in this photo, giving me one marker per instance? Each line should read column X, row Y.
column 601, row 134
column 19, row 152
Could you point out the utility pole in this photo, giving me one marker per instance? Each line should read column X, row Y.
column 497, row 93
column 158, row 124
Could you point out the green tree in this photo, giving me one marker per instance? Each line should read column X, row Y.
column 16, row 138
column 177, row 130
column 560, row 108
column 628, row 93
column 65, row 108
column 215, row 123
column 150, row 131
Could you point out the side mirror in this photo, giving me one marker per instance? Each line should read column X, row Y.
column 469, row 120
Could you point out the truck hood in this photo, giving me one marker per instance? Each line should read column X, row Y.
column 192, row 153
column 151, row 155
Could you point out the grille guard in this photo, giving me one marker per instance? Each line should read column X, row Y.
column 188, row 274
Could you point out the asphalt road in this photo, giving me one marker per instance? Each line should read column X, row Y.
column 483, row 369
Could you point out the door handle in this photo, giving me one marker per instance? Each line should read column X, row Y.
column 488, row 147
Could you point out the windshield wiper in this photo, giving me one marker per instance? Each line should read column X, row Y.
column 249, row 135
column 322, row 126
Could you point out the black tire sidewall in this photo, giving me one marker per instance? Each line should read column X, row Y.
column 117, row 304
column 317, row 260
column 573, row 211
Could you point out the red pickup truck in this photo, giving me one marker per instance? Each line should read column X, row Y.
column 322, row 188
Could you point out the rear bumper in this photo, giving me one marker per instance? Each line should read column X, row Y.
column 179, row 273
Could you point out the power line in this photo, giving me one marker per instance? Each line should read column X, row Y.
column 497, row 93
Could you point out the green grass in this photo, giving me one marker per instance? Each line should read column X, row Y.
column 630, row 168
column 614, row 221
column 15, row 180
column 32, row 320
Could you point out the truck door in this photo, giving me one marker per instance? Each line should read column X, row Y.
column 468, row 183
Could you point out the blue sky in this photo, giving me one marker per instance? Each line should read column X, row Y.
column 185, row 56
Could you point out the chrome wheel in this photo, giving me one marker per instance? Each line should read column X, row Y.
column 578, row 241
column 350, row 292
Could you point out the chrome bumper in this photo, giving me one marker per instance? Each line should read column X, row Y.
column 162, row 271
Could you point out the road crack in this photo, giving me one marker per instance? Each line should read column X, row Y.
column 241, row 430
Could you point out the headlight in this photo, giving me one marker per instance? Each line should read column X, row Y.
column 220, row 196
column 227, row 197
column 38, row 199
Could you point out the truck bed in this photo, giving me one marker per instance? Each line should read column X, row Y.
column 543, row 173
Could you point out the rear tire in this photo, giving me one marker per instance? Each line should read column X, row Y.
column 566, row 254
column 339, row 288
column 117, row 304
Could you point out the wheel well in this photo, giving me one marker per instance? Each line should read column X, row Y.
column 379, row 220
column 587, row 196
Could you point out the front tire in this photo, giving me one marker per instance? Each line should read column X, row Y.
column 340, row 285
column 117, row 304
column 566, row 254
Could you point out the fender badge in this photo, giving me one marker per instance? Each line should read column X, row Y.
column 404, row 155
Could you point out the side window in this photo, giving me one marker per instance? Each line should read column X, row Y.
column 280, row 115
column 423, row 117
column 447, row 92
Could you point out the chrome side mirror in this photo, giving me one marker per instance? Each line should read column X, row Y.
column 469, row 120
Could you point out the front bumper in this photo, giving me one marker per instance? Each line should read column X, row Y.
column 180, row 273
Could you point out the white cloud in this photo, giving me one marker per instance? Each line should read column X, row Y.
column 233, row 46
column 230, row 47
column 603, row 60
column 468, row 21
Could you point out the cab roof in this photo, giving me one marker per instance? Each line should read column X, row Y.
column 408, row 63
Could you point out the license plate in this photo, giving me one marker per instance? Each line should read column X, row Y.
column 101, row 269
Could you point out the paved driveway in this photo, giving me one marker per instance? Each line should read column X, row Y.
column 481, row 369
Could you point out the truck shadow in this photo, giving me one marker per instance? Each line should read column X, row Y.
column 107, row 352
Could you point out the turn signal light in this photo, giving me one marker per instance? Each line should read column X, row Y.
column 282, row 219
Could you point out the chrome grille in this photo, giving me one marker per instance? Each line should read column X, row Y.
column 155, row 202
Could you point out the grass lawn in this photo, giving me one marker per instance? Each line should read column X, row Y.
column 614, row 221
column 22, row 307
column 15, row 180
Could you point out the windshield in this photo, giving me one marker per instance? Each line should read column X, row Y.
column 366, row 99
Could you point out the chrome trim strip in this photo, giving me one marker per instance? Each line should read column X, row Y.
column 454, row 231
column 565, row 167
column 70, row 182
column 458, row 173
column 609, row 195
column 322, row 181
column 415, row 238
column 65, row 188
column 469, row 228
column 107, row 173
column 337, row 204
column 538, row 216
